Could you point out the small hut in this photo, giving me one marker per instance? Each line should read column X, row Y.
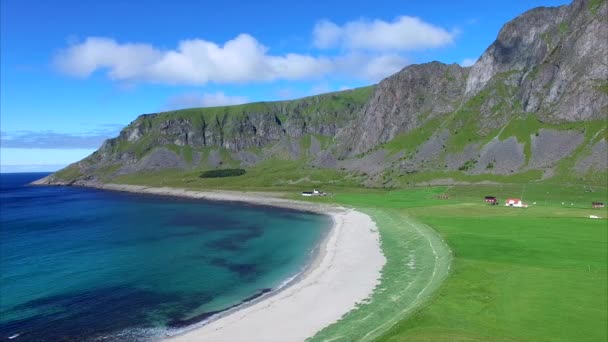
column 315, row 192
column 492, row 200
column 515, row 202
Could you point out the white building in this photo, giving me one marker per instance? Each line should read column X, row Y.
column 515, row 202
column 314, row 192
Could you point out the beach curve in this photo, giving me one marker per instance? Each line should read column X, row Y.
column 343, row 274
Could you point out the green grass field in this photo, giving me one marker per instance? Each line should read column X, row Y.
column 535, row 274
column 461, row 270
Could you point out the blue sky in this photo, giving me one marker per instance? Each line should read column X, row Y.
column 74, row 72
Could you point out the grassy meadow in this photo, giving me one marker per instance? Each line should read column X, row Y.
column 518, row 274
column 459, row 269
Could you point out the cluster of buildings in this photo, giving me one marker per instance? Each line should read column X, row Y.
column 510, row 202
column 516, row 202
column 492, row 200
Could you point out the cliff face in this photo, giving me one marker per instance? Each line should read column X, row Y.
column 234, row 128
column 542, row 83
column 558, row 60
column 552, row 62
column 403, row 102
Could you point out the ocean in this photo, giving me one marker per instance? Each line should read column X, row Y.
column 79, row 264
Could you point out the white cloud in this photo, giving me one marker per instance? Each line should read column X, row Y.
column 123, row 60
column 191, row 100
column 197, row 62
column 468, row 62
column 383, row 66
column 326, row 34
column 404, row 33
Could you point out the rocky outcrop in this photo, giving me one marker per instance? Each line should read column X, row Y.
column 402, row 103
column 597, row 158
column 500, row 157
column 557, row 59
column 235, row 128
column 549, row 61
column 550, row 146
column 159, row 159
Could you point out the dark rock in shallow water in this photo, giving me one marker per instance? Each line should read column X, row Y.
column 181, row 323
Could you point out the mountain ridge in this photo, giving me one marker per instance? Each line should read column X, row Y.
column 534, row 104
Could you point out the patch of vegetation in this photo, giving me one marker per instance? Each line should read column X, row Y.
column 221, row 173
column 141, row 147
column 469, row 164
column 522, row 127
column 176, row 149
column 594, row 5
column 107, row 171
column 448, row 76
column 602, row 86
column 410, row 140
column 464, row 123
column 563, row 27
column 490, row 166
column 546, row 37
column 187, row 153
column 269, row 175
column 534, row 72
column 68, row 173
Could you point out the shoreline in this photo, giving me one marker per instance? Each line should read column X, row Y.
column 343, row 271
column 172, row 333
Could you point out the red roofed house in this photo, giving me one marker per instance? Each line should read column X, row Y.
column 491, row 199
column 515, row 202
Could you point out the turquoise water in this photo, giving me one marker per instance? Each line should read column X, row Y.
column 83, row 264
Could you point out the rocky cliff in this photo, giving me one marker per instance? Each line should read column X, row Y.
column 535, row 103
column 551, row 62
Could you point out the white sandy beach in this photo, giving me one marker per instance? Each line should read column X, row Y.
column 344, row 273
